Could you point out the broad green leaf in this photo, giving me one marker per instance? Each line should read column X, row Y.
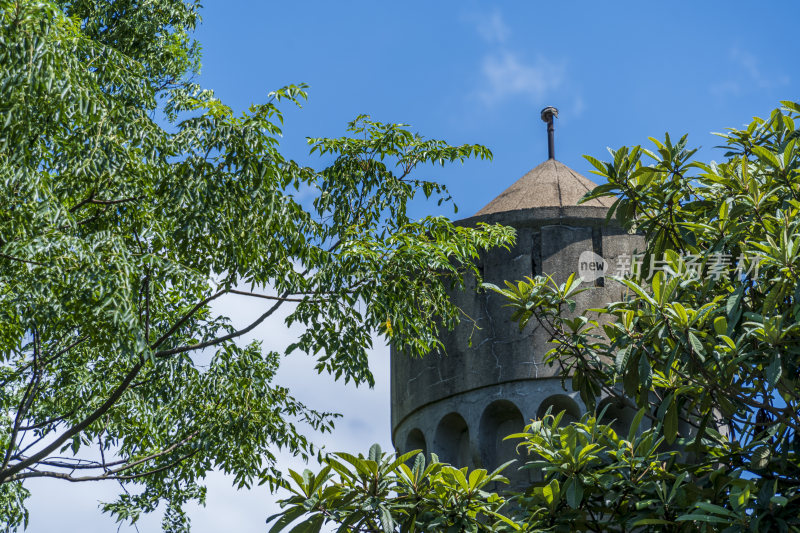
column 574, row 493
column 671, row 423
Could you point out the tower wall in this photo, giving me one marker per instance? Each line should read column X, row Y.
column 492, row 378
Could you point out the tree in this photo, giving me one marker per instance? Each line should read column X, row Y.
column 132, row 200
column 704, row 348
column 381, row 492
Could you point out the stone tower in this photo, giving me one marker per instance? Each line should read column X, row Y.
column 460, row 405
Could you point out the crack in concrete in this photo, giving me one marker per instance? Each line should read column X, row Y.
column 493, row 333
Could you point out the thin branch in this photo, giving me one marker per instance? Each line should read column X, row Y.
column 266, row 296
column 12, row 258
column 147, row 307
column 44, row 363
column 115, row 202
column 101, row 477
column 47, row 422
column 81, row 464
column 21, row 453
column 25, row 402
column 8, row 473
column 214, row 342
column 184, row 318
column 122, row 465
column 156, row 455
column 94, row 201
column 82, row 203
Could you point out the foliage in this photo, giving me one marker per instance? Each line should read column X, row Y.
column 384, row 493
column 133, row 200
column 707, row 341
column 705, row 358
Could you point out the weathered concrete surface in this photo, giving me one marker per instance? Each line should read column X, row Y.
column 492, row 378
column 492, row 349
column 489, row 414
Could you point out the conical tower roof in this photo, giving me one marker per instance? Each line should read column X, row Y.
column 551, row 184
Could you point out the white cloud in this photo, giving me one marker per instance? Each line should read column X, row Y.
column 56, row 506
column 725, row 88
column 507, row 75
column 746, row 74
column 578, row 106
column 748, row 63
column 492, row 28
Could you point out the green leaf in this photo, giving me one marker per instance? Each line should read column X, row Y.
column 645, row 370
column 375, row 453
column 671, row 422
column 760, row 458
column 362, row 467
column 780, row 501
column 767, row 156
column 458, row 475
column 652, row 522
column 639, row 291
column 505, row 520
column 285, row 518
column 552, row 493
column 773, row 370
column 721, row 325
column 657, row 282
column 636, row 423
column 387, row 521
column 683, row 317
column 694, row 517
column 574, row 493
column 794, row 106
column 697, row 346
column 476, row 477
column 400, row 460
column 621, row 359
column 313, row 525
column 712, row 508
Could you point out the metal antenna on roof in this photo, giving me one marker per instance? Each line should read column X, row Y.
column 548, row 114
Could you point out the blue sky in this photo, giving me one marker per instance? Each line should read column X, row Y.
column 468, row 72
column 481, row 72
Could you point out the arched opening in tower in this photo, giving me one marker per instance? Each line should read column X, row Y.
column 451, row 442
column 558, row 403
column 499, row 420
column 617, row 414
column 416, row 441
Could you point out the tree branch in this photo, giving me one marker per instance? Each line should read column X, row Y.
column 214, row 342
column 266, row 296
column 25, row 402
column 100, row 477
column 8, row 473
column 12, row 258
column 184, row 318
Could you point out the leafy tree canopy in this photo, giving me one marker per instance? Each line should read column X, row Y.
column 132, row 200
column 706, row 359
